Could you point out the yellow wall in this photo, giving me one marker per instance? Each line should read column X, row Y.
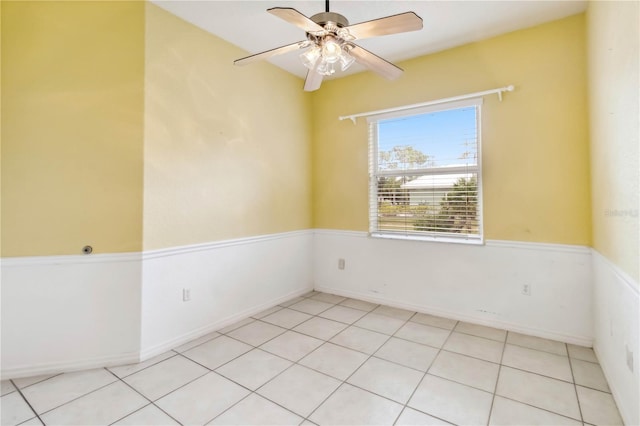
column 72, row 122
column 535, row 143
column 227, row 149
column 613, row 40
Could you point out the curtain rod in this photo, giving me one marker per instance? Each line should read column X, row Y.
column 437, row 101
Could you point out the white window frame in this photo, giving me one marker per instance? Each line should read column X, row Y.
column 374, row 174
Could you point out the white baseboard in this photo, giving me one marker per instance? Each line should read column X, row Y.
column 617, row 323
column 474, row 283
column 179, row 340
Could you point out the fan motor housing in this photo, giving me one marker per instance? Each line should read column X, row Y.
column 324, row 18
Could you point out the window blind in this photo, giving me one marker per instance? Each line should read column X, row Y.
column 425, row 173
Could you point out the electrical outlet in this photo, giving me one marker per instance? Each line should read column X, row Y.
column 629, row 358
column 340, row 263
column 186, row 294
column 526, row 289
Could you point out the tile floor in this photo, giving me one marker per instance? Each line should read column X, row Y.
column 327, row 360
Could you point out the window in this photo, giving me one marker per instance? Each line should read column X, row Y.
column 425, row 175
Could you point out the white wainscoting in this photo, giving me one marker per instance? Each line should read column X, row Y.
column 64, row 313
column 617, row 318
column 229, row 281
column 475, row 283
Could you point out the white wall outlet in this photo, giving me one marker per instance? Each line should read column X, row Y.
column 629, row 358
column 186, row 294
column 526, row 289
column 341, row 263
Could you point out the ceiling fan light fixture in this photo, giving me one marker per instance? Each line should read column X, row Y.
column 346, row 60
column 326, row 68
column 311, row 56
column 331, row 50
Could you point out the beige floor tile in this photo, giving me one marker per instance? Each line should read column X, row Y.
column 148, row 415
column 102, row 407
column 236, row 325
column 267, row 312
column 160, row 379
column 254, row 368
column 129, row 369
column 291, row 345
column 286, row 318
column 481, row 331
column 360, row 339
column 336, row 361
column 291, row 302
column 343, row 314
column 196, row 342
column 387, row 379
column 28, row 381
column 581, row 352
column 256, row 333
column 589, row 374
column 299, row 389
column 389, row 311
column 32, row 422
column 256, row 410
column 63, row 388
column 507, row 412
column 425, row 334
column 598, row 408
column 312, row 307
column 328, row 298
column 6, row 387
column 202, row 400
column 434, row 321
column 217, row 352
column 14, row 409
column 535, row 361
column 311, row 294
column 466, row 370
column 359, row 304
column 379, row 323
column 353, row 406
column 477, row 347
column 320, row 328
column 451, row 401
column 411, row 417
column 542, row 392
column 538, row 343
column 409, row 354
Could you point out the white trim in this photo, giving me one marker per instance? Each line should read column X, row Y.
column 67, row 367
column 522, row 245
column 498, row 91
column 71, row 259
column 144, row 255
column 172, row 251
column 625, row 278
column 504, row 325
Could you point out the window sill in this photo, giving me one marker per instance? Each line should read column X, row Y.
column 428, row 238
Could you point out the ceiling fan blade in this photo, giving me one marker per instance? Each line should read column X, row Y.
column 394, row 24
column 296, row 18
column 375, row 63
column 273, row 52
column 313, row 81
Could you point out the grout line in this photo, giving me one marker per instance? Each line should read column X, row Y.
column 575, row 387
column 27, row 402
column 495, row 387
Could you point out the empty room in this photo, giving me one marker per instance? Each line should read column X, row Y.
column 320, row 212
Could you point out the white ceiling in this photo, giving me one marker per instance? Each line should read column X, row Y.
column 447, row 24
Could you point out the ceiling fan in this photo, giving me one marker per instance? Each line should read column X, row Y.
column 329, row 38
